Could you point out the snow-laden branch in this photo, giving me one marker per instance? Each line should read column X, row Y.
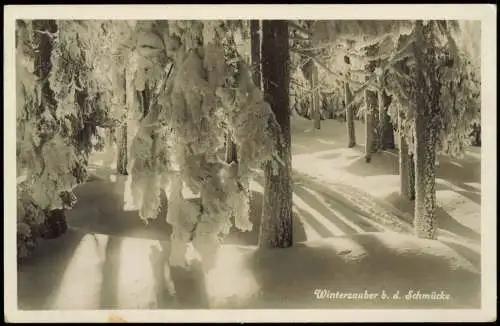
column 300, row 28
column 322, row 65
column 307, row 89
column 298, row 38
column 372, row 81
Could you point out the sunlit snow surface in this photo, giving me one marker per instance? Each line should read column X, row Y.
column 345, row 210
column 322, row 155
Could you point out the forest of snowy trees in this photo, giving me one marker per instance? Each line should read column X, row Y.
column 207, row 106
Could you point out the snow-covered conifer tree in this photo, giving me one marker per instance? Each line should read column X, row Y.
column 206, row 95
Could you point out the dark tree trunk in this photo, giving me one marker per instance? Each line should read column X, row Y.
column 146, row 101
column 476, row 135
column 111, row 137
column 276, row 226
column 406, row 169
column 121, row 165
column 349, row 114
column 231, row 151
column 163, row 210
column 386, row 129
column 371, row 103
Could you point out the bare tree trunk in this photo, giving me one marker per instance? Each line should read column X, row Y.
column 316, row 110
column 231, row 153
column 255, row 54
column 476, row 135
column 349, row 114
column 276, row 226
column 425, row 147
column 371, row 102
column 121, row 165
column 386, row 130
column 406, row 169
column 163, row 210
column 146, row 101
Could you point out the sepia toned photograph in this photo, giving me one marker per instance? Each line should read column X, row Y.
column 227, row 167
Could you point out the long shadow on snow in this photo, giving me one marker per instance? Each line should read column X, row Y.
column 472, row 256
column 349, row 200
column 445, row 220
column 110, row 270
column 55, row 256
column 471, row 194
column 369, row 261
column 460, row 171
column 457, row 173
column 189, row 284
column 332, row 209
column 159, row 265
column 314, row 203
column 100, row 209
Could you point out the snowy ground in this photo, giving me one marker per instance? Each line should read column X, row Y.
column 351, row 231
column 322, row 155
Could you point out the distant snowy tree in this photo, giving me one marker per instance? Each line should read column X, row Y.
column 436, row 107
column 311, row 72
column 371, row 108
column 398, row 83
column 358, row 48
column 230, row 52
column 385, row 126
column 349, row 111
column 311, row 84
column 111, row 47
column 315, row 94
column 121, row 164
